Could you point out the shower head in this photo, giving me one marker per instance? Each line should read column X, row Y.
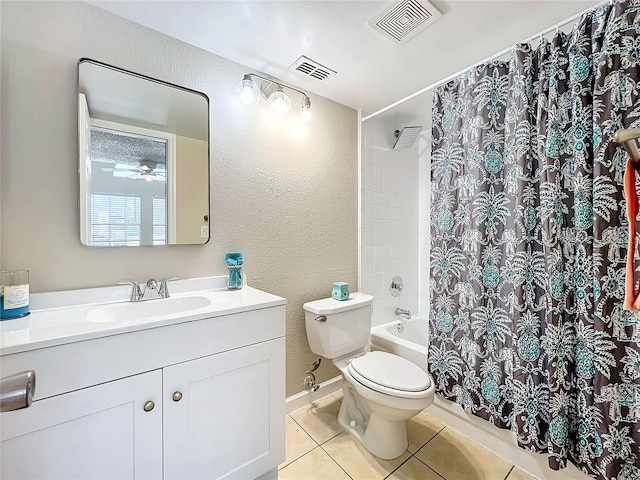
column 406, row 137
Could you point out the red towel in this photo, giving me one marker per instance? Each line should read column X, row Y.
column 631, row 296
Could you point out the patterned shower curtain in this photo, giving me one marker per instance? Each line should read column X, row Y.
column 528, row 242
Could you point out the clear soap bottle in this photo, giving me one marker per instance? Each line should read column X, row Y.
column 234, row 265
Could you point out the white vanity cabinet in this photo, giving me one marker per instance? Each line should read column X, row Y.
column 196, row 399
column 93, row 433
column 218, row 414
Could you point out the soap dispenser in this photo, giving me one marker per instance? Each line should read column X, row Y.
column 234, row 264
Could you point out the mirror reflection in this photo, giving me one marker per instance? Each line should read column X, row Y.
column 144, row 159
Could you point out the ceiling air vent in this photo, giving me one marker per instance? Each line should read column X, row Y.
column 312, row 68
column 402, row 21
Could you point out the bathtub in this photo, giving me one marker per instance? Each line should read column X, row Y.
column 409, row 339
column 406, row 338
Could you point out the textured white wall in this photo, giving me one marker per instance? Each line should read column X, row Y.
column 283, row 192
column 389, row 219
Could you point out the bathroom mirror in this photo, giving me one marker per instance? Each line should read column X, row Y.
column 143, row 159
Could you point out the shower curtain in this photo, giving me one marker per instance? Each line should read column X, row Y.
column 528, row 243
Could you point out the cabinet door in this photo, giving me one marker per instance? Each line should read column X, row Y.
column 229, row 419
column 101, row 432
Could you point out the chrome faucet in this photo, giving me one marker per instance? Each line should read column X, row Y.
column 163, row 291
column 151, row 290
column 136, row 291
column 403, row 313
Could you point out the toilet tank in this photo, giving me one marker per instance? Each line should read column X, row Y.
column 336, row 328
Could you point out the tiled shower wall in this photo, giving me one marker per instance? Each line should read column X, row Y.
column 392, row 219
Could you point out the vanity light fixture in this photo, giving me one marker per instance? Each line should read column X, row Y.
column 249, row 93
column 305, row 114
column 279, row 101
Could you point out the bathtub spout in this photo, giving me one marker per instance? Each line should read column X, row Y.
column 403, row 313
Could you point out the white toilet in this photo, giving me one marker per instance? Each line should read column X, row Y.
column 381, row 390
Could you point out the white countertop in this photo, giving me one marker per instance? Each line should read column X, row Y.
column 62, row 317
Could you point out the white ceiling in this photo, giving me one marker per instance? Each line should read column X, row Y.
column 372, row 71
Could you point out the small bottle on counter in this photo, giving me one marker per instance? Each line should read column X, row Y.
column 234, row 264
column 14, row 294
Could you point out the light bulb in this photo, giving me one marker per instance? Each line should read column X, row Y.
column 279, row 101
column 248, row 91
column 305, row 114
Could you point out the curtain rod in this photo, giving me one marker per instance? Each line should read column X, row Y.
column 490, row 58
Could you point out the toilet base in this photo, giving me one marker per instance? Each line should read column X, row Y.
column 384, row 438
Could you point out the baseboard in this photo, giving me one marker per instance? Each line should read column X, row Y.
column 306, row 397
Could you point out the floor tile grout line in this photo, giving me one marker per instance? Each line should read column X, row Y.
column 336, row 462
column 470, row 440
column 428, row 441
column 313, row 439
column 294, row 461
column 309, row 433
column 430, row 468
column 425, row 443
column 328, row 454
column 329, row 439
column 305, row 431
column 509, row 472
column 396, row 469
column 298, row 458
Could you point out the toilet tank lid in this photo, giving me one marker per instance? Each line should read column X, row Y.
column 329, row 306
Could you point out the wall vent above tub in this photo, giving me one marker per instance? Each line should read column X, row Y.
column 312, row 68
column 402, row 21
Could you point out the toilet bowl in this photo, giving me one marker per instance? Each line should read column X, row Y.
column 392, row 390
column 381, row 391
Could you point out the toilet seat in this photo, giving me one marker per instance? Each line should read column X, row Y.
column 390, row 374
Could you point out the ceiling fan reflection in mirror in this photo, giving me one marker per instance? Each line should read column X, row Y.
column 147, row 170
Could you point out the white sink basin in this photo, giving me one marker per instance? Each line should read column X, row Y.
column 134, row 312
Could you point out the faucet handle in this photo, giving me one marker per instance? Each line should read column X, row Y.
column 164, row 289
column 136, row 292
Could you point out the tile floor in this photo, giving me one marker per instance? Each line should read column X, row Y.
column 318, row 449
